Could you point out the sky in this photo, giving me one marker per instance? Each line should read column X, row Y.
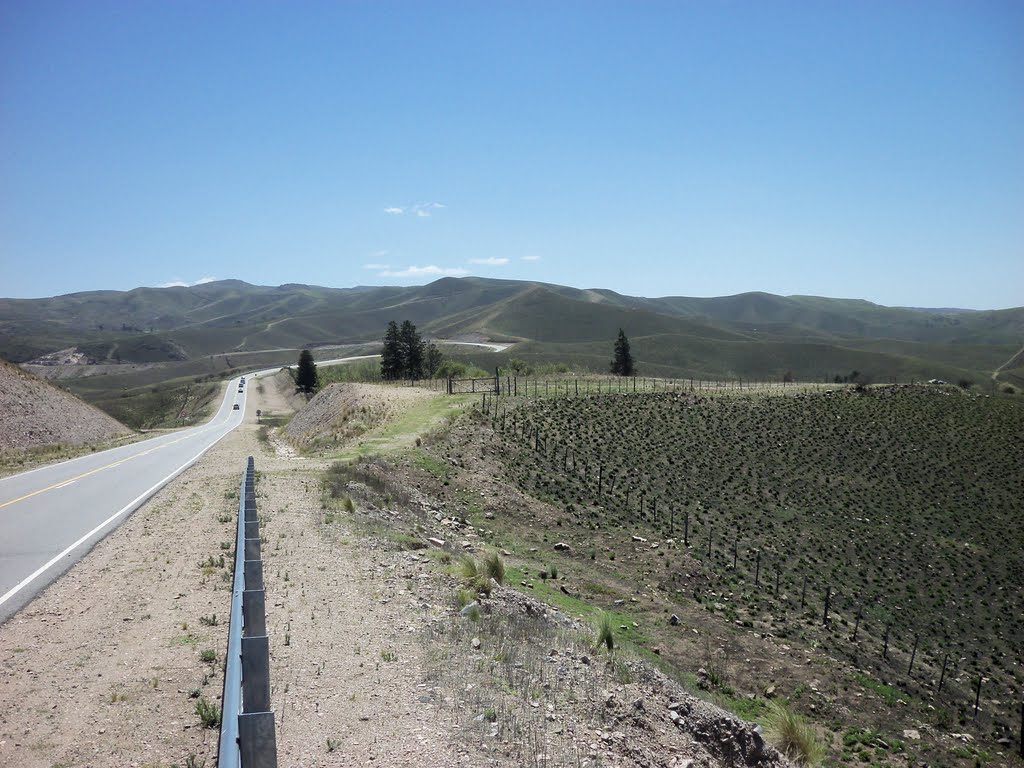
column 860, row 149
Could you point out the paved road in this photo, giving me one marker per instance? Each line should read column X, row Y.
column 51, row 516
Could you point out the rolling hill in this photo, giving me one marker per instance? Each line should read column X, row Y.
column 750, row 335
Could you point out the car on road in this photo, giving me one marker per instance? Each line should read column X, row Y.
column 236, row 406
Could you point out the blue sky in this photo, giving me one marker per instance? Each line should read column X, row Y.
column 854, row 149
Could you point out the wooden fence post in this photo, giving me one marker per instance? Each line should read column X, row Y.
column 913, row 654
column 757, row 569
column 828, row 599
column 942, row 675
column 1022, row 728
column 885, row 642
column 803, row 594
column 977, row 698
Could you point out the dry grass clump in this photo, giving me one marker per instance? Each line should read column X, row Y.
column 605, row 631
column 478, row 574
column 793, row 736
column 494, row 567
column 474, row 575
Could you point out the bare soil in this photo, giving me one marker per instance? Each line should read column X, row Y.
column 36, row 414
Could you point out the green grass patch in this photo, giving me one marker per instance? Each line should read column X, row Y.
column 416, row 422
column 888, row 693
column 429, row 463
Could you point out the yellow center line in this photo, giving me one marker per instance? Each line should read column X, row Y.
column 62, row 483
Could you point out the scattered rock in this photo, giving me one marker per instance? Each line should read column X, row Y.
column 562, row 547
column 674, row 620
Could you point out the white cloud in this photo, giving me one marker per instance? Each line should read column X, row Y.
column 376, row 267
column 177, row 283
column 420, row 210
column 428, row 271
column 531, row 258
column 490, row 261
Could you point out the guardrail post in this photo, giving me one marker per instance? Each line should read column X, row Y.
column 256, row 674
column 253, row 570
column 254, row 619
column 258, row 740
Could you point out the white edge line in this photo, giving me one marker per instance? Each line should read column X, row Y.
column 132, row 505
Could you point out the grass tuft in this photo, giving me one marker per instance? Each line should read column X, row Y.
column 605, row 631
column 494, row 567
column 793, row 736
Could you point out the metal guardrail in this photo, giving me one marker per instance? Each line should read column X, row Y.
column 247, row 735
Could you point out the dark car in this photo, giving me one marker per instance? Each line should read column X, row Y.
column 236, row 406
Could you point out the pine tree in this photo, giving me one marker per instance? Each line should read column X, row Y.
column 433, row 360
column 622, row 363
column 412, row 351
column 306, row 378
column 391, row 357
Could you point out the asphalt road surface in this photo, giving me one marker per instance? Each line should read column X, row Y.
column 51, row 516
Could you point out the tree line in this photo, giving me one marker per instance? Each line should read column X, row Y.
column 407, row 356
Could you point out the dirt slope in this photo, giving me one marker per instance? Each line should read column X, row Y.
column 343, row 411
column 34, row 413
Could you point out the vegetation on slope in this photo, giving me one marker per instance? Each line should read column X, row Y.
column 900, row 506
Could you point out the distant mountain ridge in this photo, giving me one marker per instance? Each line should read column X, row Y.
column 149, row 325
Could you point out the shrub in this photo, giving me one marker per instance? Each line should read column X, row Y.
column 209, row 713
column 793, row 736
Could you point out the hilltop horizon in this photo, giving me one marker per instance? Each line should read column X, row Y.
column 373, row 286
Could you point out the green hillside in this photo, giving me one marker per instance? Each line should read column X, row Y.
column 751, row 335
